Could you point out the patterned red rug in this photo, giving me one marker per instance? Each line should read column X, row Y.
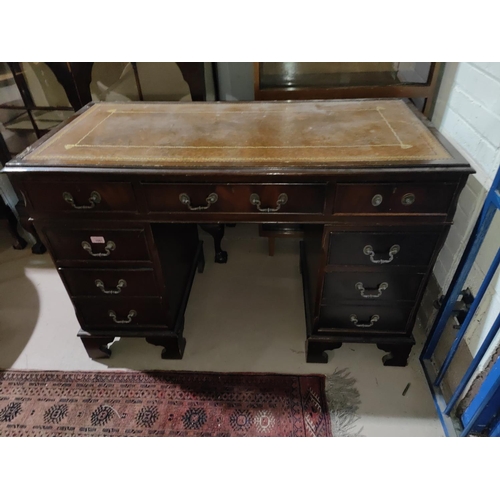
column 38, row 403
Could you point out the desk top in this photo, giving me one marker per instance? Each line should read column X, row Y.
column 244, row 135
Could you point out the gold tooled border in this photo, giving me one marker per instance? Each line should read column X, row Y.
column 424, row 132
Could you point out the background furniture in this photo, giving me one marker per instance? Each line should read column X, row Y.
column 273, row 231
column 330, row 80
column 116, row 200
column 39, row 105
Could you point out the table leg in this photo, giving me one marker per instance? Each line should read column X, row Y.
column 217, row 233
column 397, row 354
column 96, row 347
column 173, row 345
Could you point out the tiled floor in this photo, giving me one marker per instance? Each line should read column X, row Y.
column 245, row 316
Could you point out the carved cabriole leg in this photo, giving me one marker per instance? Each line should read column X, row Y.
column 397, row 354
column 173, row 345
column 217, row 232
column 96, row 347
column 315, row 350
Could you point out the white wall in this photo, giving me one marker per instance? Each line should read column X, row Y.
column 467, row 112
column 235, row 81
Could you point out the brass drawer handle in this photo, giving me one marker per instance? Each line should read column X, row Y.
column 121, row 284
column 377, row 200
column 408, row 199
column 368, row 250
column 255, row 200
column 110, row 246
column 94, row 199
column 383, row 286
column 186, row 200
column 373, row 320
column 132, row 313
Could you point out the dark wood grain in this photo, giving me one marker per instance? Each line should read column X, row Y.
column 180, row 252
column 416, row 248
column 82, row 282
column 114, row 196
column 157, row 251
column 359, row 198
column 393, row 317
column 235, row 198
column 401, row 285
column 94, row 313
column 66, row 244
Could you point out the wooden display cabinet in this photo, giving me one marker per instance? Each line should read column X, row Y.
column 348, row 80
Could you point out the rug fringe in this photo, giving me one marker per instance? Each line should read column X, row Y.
column 343, row 402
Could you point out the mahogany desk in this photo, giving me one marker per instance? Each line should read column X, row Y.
column 116, row 192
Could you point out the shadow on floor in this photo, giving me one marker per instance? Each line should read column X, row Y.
column 19, row 300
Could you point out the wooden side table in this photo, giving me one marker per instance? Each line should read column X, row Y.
column 272, row 231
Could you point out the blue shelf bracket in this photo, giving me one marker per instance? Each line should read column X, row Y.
column 490, row 207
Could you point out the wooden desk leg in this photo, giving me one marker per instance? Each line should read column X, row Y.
column 173, row 345
column 397, row 354
column 315, row 350
column 96, row 347
column 217, row 233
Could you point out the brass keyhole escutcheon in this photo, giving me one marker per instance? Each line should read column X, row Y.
column 377, row 200
column 408, row 199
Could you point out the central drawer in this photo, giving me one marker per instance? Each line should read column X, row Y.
column 236, row 198
column 98, row 245
column 110, row 282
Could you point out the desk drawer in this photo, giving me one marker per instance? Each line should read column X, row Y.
column 432, row 199
column 236, row 198
column 382, row 248
column 111, row 282
column 366, row 319
column 370, row 286
column 121, row 313
column 82, row 197
column 98, row 245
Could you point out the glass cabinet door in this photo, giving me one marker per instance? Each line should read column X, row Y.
column 32, row 102
column 418, row 81
column 342, row 74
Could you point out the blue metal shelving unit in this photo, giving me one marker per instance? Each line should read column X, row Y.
column 483, row 413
